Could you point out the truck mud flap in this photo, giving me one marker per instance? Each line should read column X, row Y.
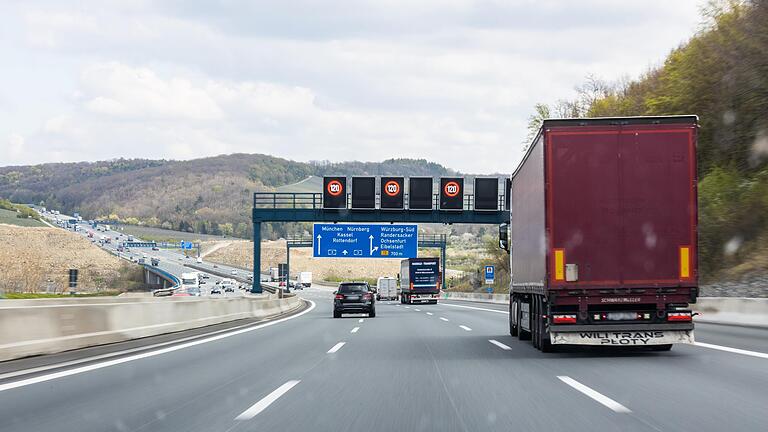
column 623, row 338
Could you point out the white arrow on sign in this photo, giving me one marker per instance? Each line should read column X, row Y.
column 373, row 249
column 344, row 252
column 318, row 243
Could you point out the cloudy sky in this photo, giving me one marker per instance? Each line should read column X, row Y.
column 452, row 81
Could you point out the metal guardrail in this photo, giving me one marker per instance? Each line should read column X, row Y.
column 165, row 275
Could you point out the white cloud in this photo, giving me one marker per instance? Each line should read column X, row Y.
column 451, row 81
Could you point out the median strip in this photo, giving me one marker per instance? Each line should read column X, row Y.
column 266, row 401
column 599, row 397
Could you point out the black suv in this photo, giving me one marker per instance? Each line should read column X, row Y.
column 354, row 297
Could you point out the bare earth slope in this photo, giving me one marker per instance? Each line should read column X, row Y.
column 38, row 260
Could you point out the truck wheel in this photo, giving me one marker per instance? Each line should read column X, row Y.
column 666, row 347
column 513, row 329
column 535, row 321
column 542, row 336
column 522, row 334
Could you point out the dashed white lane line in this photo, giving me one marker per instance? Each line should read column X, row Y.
column 354, row 330
column 444, row 319
column 477, row 308
column 499, row 344
column 407, row 307
column 732, row 350
column 465, row 328
column 361, row 320
column 417, row 310
column 95, row 366
column 430, row 313
column 336, row 347
column 266, row 401
column 599, row 397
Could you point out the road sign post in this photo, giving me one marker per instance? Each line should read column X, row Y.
column 490, row 274
column 364, row 241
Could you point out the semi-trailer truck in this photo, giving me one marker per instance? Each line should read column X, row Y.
column 419, row 280
column 603, row 233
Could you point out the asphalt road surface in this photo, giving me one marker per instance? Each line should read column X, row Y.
column 445, row 367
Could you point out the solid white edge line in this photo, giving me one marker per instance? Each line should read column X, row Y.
column 266, row 401
column 499, row 344
column 335, row 347
column 354, row 330
column 732, row 350
column 599, row 397
column 444, row 319
column 477, row 308
column 91, row 367
column 465, row 328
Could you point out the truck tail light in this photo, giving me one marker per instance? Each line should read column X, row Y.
column 410, row 285
column 564, row 319
column 679, row 316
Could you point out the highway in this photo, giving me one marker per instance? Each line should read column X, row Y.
column 445, row 367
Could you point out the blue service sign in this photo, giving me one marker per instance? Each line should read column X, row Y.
column 490, row 274
column 364, row 241
column 489, row 290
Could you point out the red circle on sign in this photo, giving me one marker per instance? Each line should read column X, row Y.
column 392, row 188
column 451, row 189
column 335, row 188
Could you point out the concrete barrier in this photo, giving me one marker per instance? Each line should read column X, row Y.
column 742, row 311
column 32, row 327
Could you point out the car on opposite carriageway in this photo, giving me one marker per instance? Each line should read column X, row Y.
column 354, row 297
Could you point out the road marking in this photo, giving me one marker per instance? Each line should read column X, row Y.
column 417, row 310
column 407, row 307
column 599, row 397
column 336, row 347
column 465, row 328
column 91, row 367
column 732, row 350
column 477, row 308
column 354, row 330
column 266, row 401
column 430, row 313
column 444, row 319
column 499, row 344
column 361, row 320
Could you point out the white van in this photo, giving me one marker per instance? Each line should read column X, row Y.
column 190, row 283
column 305, row 279
column 386, row 288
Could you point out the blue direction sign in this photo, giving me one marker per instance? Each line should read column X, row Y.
column 185, row 245
column 364, row 241
column 490, row 273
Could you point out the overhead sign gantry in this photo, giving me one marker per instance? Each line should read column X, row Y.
column 387, row 203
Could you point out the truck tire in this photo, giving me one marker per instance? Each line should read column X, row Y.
column 522, row 334
column 513, row 328
column 535, row 321
column 544, row 344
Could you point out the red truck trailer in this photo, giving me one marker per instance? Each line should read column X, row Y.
column 604, row 233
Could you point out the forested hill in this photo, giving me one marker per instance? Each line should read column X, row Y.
column 207, row 195
column 721, row 75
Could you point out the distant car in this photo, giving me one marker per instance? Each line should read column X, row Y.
column 354, row 297
column 199, row 260
column 215, row 290
column 229, row 288
column 205, row 275
column 155, row 248
column 233, row 272
column 215, row 266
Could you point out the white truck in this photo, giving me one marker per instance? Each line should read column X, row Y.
column 305, row 278
column 386, row 288
column 190, row 283
column 274, row 274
